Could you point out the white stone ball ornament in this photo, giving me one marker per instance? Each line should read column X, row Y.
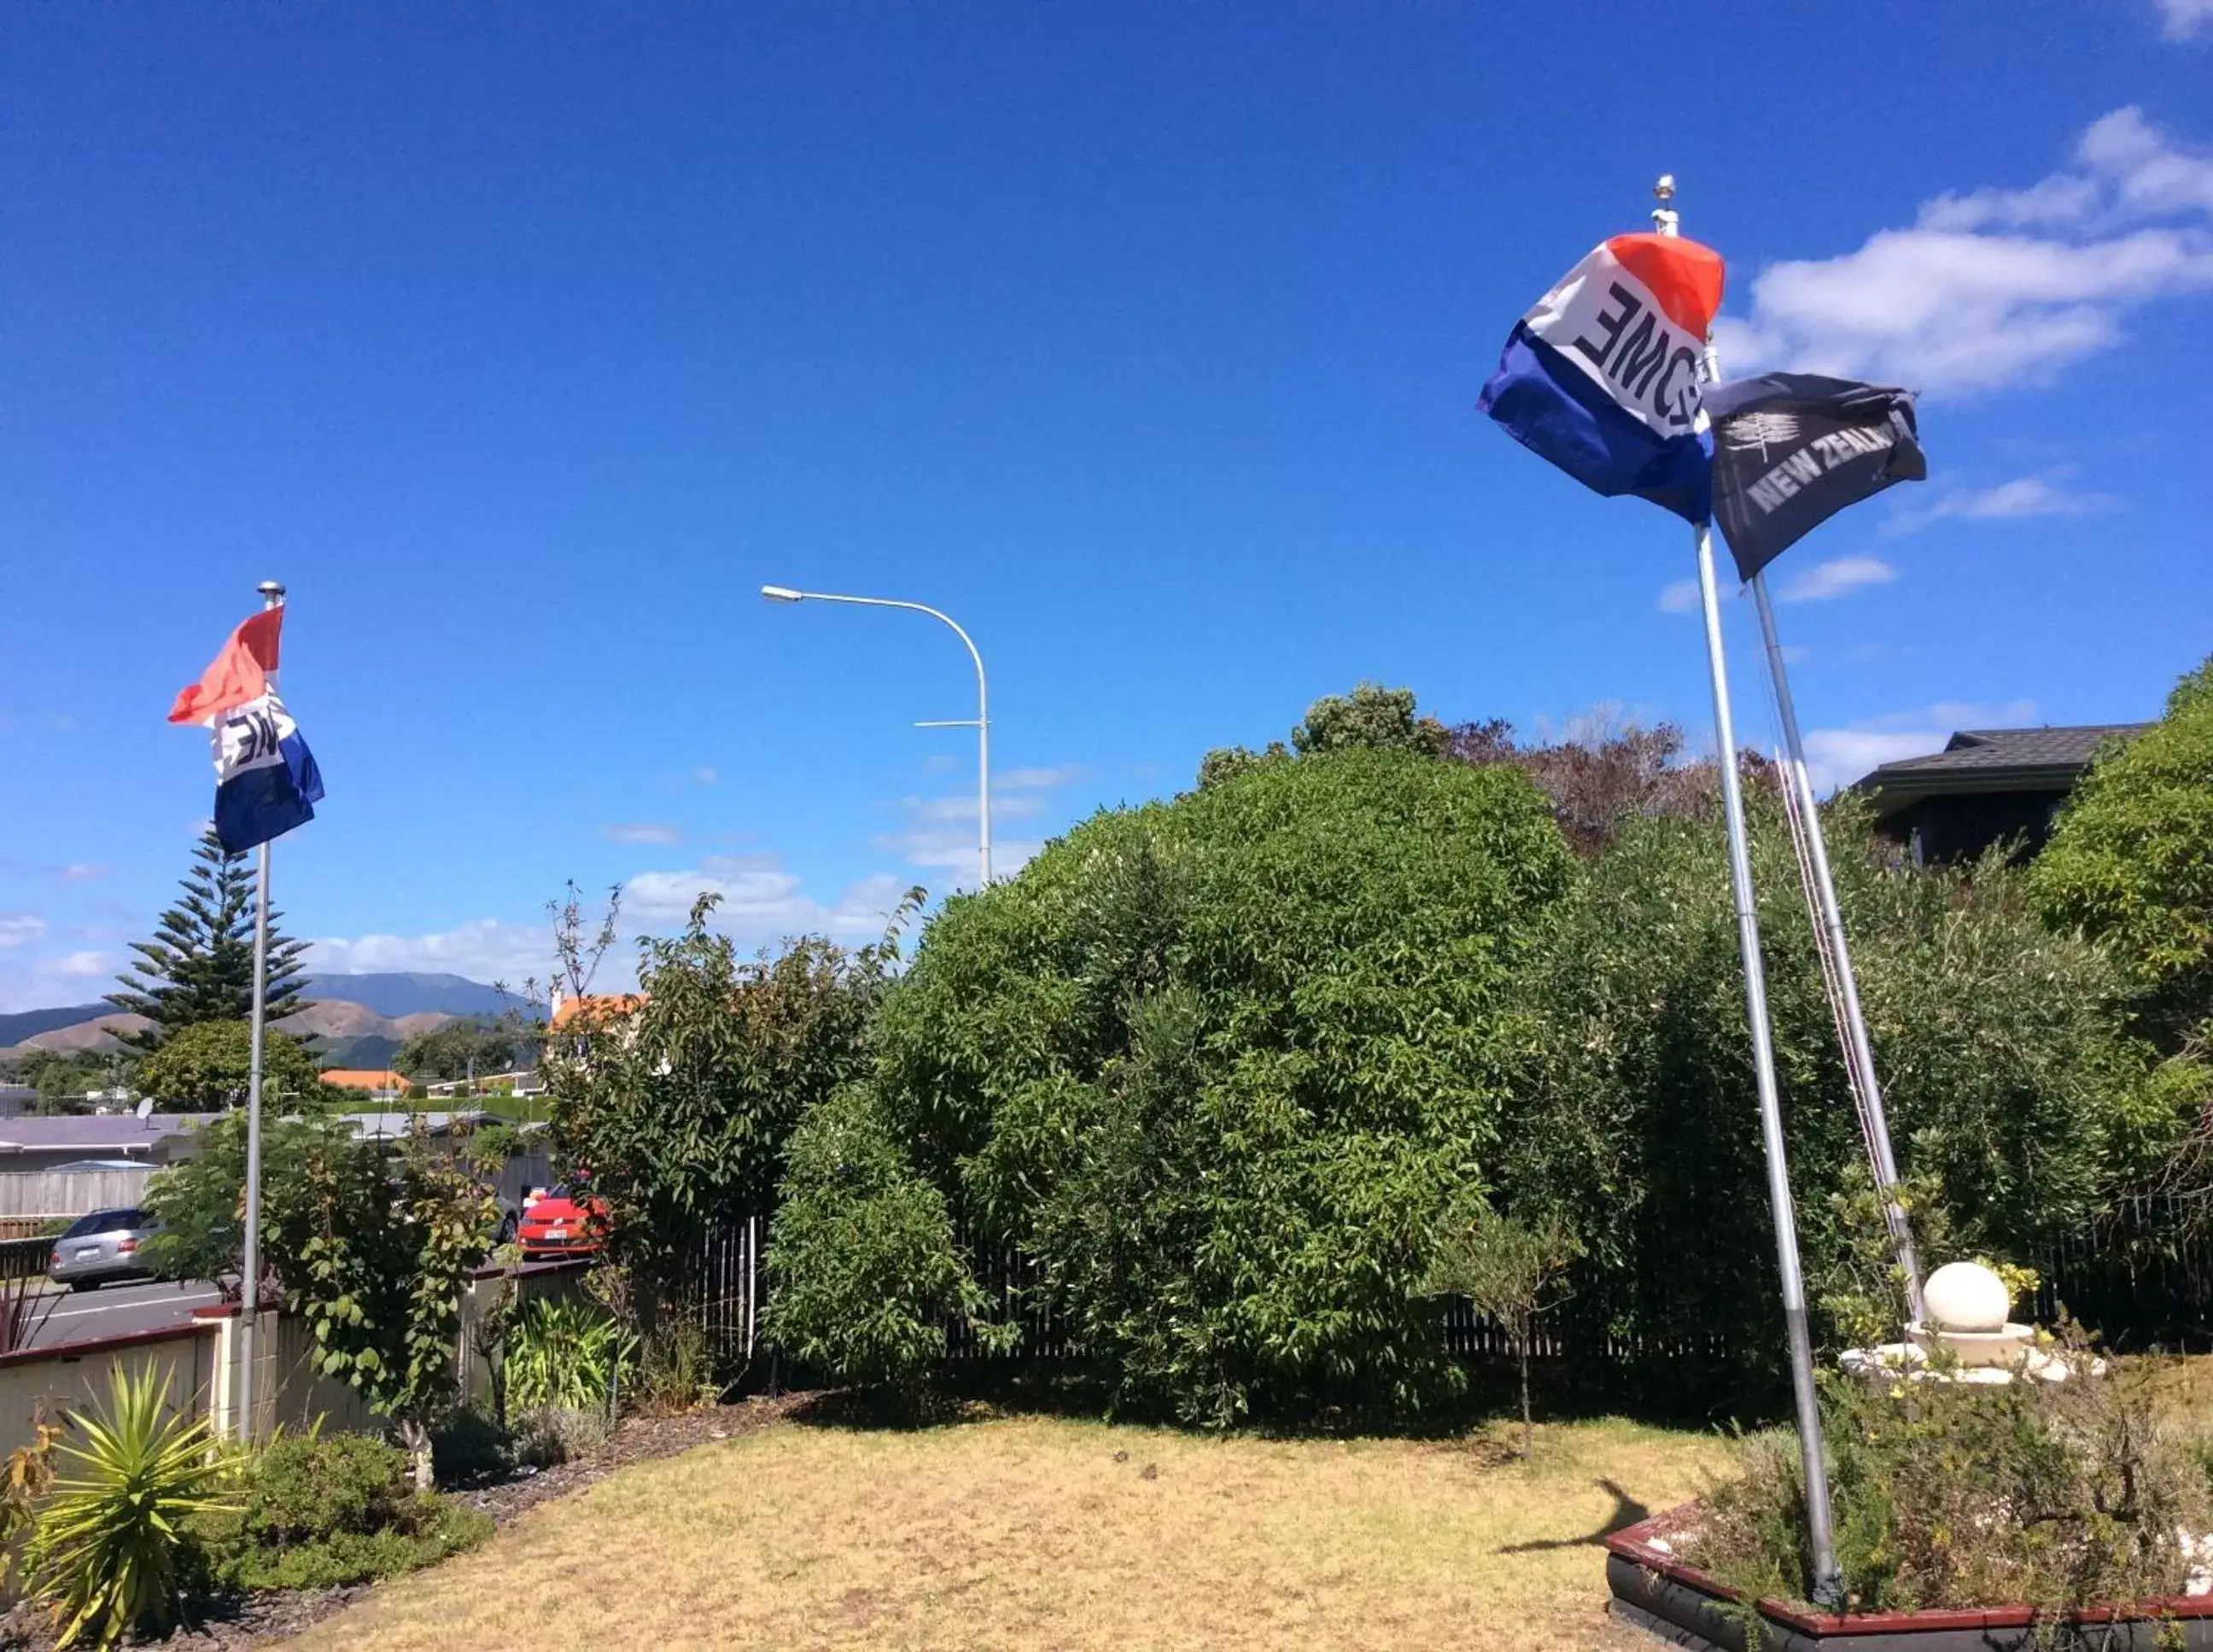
column 1966, row 1296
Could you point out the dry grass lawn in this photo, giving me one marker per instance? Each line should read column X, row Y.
column 1034, row 1533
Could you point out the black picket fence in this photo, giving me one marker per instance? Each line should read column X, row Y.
column 2140, row 1277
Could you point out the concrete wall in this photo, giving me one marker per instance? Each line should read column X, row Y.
column 42, row 1383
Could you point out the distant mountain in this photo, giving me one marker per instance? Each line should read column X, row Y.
column 96, row 1032
column 410, row 994
column 371, row 1052
column 24, row 1024
column 357, row 1021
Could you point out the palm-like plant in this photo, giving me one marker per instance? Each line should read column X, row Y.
column 105, row 1552
column 564, row 1354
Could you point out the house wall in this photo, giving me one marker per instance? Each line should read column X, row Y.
column 1944, row 829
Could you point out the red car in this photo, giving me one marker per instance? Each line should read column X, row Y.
column 557, row 1223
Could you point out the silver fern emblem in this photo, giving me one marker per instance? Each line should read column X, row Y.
column 1761, row 430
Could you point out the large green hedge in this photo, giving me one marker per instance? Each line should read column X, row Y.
column 2011, row 1087
column 1217, row 1065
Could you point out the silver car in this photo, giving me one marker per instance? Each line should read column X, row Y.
column 98, row 1247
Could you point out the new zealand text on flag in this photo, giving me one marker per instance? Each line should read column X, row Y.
column 1792, row 449
column 1602, row 377
column 266, row 781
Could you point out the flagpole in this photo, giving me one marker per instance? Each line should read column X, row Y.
column 1812, row 1453
column 1859, row 1052
column 272, row 597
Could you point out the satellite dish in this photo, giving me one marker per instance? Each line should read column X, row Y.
column 145, row 1107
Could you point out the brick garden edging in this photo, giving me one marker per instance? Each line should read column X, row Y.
column 1656, row 1591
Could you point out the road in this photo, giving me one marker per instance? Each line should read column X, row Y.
column 119, row 1310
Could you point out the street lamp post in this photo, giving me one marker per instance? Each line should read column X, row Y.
column 981, row 722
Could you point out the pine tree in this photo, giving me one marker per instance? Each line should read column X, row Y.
column 199, row 965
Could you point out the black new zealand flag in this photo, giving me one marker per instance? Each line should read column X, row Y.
column 1792, row 449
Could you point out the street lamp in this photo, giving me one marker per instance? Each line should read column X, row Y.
column 981, row 722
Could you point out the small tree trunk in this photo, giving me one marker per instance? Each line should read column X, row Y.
column 417, row 1439
column 1528, row 1428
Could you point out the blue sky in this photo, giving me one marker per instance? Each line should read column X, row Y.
column 525, row 342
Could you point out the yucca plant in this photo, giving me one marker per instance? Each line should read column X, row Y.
column 104, row 1553
column 562, row 1354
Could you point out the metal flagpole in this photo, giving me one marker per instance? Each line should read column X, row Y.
column 272, row 597
column 1812, row 1454
column 1858, row 1052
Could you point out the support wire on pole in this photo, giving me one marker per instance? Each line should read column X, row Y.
column 1826, row 1584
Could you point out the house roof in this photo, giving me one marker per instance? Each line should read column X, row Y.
column 363, row 1078
column 597, row 1006
column 96, row 1136
column 397, row 1126
column 1993, row 760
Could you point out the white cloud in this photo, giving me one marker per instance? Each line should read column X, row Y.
column 761, row 902
column 1836, row 757
column 956, row 852
column 1038, row 779
column 1841, row 577
column 79, row 966
column 643, row 831
column 704, row 775
column 483, row 949
column 20, row 929
column 2023, row 496
column 1996, row 286
column 1680, row 597
column 2180, row 19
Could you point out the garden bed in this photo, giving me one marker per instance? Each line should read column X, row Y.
column 272, row 1616
column 1656, row 1590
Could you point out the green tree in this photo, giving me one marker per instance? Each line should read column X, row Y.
column 867, row 1273
column 210, row 1064
column 677, row 1109
column 2008, row 1083
column 371, row 1245
column 1508, row 1272
column 1370, row 718
column 2131, row 861
column 199, row 965
column 1218, row 1066
column 466, row 1044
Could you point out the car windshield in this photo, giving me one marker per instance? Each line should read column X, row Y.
column 102, row 1222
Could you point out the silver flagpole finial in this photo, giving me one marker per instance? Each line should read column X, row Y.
column 271, row 593
column 1665, row 219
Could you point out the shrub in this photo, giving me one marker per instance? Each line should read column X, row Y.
column 564, row 1354
column 861, row 1252
column 2131, row 860
column 548, row 1434
column 108, row 1544
column 323, row 1510
column 469, row 1447
column 1216, row 1066
column 2054, row 1495
column 2008, row 1086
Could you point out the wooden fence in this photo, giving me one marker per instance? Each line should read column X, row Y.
column 69, row 1192
column 2139, row 1278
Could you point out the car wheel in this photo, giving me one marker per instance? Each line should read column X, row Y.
column 83, row 1284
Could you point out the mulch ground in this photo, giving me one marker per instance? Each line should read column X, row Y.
column 263, row 1619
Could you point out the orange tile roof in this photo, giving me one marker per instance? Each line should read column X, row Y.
column 597, row 1007
column 362, row 1078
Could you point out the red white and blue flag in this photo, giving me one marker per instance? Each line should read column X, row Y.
column 1602, row 377
column 265, row 779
